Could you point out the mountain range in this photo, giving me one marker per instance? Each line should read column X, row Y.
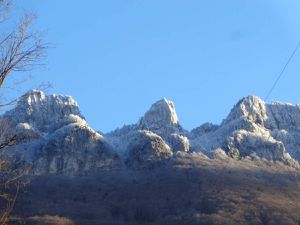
column 53, row 135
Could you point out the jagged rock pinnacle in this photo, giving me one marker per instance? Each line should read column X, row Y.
column 161, row 114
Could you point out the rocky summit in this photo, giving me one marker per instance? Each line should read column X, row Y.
column 55, row 138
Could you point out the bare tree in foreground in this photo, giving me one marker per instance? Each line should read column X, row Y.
column 21, row 50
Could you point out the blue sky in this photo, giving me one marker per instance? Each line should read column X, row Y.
column 117, row 57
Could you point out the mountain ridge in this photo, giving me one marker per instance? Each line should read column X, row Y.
column 55, row 137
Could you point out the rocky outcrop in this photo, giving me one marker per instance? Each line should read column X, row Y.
column 45, row 113
column 161, row 117
column 179, row 142
column 55, row 138
column 147, row 150
column 255, row 127
column 75, row 149
column 162, row 120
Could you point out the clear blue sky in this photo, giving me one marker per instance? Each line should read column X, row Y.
column 117, row 57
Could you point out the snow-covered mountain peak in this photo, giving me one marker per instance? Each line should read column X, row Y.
column 161, row 114
column 37, row 98
column 33, row 97
column 42, row 111
column 251, row 108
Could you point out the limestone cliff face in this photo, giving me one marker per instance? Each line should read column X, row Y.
column 254, row 127
column 53, row 135
column 45, row 113
column 75, row 149
column 146, row 150
column 161, row 119
column 55, row 138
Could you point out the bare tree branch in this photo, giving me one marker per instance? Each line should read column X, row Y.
column 21, row 50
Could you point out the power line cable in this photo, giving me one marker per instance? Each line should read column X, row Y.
column 282, row 72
